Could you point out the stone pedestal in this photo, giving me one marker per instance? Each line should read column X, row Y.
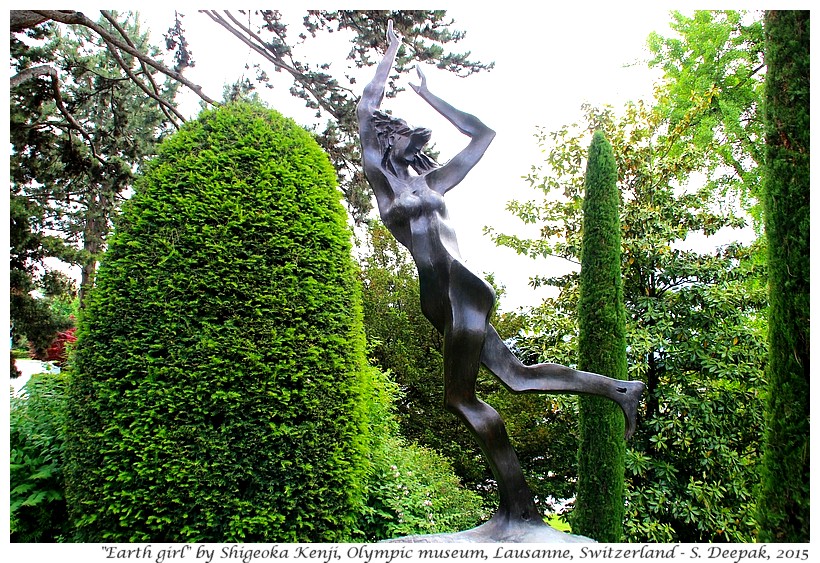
column 491, row 532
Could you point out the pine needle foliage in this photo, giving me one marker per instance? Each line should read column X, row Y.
column 217, row 388
column 599, row 508
column 783, row 510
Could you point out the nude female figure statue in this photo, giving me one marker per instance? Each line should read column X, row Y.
column 456, row 301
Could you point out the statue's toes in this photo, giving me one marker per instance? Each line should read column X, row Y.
column 630, row 403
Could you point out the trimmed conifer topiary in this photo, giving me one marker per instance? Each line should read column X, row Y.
column 599, row 507
column 783, row 512
column 216, row 392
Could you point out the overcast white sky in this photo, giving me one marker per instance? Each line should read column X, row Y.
column 548, row 61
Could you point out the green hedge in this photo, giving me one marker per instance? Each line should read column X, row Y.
column 217, row 387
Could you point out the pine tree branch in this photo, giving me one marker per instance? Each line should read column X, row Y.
column 20, row 20
column 78, row 18
column 166, row 107
column 251, row 40
column 51, row 72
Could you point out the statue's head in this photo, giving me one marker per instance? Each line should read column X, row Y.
column 402, row 144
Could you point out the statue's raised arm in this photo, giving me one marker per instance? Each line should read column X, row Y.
column 374, row 92
column 449, row 175
column 368, row 115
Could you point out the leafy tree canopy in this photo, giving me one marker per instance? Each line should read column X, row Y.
column 711, row 95
column 80, row 127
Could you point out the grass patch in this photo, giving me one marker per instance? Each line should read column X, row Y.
column 20, row 354
column 555, row 521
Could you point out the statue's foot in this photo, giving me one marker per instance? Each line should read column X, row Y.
column 629, row 400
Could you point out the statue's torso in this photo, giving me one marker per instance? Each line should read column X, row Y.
column 417, row 216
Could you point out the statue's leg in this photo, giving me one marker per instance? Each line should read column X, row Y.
column 463, row 338
column 555, row 378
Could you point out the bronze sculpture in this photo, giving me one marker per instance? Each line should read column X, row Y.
column 456, row 301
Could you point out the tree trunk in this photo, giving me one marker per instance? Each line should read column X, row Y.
column 94, row 234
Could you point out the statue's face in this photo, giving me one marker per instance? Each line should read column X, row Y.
column 406, row 147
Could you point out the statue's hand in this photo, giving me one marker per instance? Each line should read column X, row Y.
column 421, row 88
column 391, row 35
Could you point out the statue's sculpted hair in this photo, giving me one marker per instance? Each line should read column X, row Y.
column 387, row 128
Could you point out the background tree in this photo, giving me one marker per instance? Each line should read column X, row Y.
column 713, row 73
column 218, row 389
column 79, row 128
column 75, row 148
column 32, row 320
column 783, row 509
column 120, row 44
column 333, row 96
column 599, row 505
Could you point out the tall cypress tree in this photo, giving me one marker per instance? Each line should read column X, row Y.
column 601, row 349
column 783, row 510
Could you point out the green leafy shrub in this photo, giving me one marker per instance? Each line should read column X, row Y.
column 692, row 468
column 217, row 385
column 36, row 436
column 410, row 489
column 413, row 490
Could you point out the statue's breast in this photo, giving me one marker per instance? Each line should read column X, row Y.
column 414, row 203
